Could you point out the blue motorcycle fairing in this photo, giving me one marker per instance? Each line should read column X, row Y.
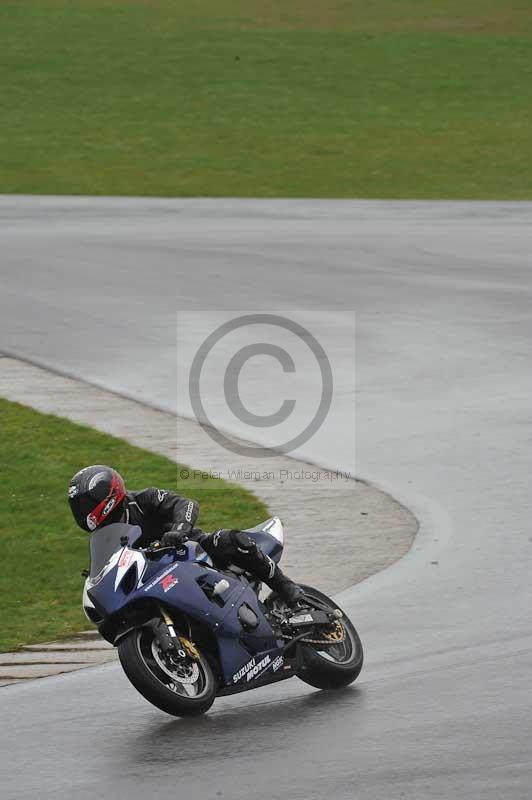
column 192, row 551
column 246, row 656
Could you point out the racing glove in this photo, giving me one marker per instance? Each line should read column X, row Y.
column 173, row 539
column 179, row 533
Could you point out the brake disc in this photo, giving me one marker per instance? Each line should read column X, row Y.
column 183, row 673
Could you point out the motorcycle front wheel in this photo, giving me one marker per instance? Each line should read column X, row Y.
column 331, row 666
column 181, row 687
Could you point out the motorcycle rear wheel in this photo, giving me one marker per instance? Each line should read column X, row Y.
column 183, row 689
column 335, row 666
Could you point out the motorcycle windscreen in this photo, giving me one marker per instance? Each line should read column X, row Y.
column 104, row 542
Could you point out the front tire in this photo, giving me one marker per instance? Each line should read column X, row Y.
column 182, row 691
column 332, row 667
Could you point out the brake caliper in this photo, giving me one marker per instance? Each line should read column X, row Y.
column 190, row 648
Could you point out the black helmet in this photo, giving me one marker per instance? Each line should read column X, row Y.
column 94, row 493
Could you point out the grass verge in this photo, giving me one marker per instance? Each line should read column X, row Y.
column 401, row 98
column 43, row 551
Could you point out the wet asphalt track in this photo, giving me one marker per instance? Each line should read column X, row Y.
column 443, row 296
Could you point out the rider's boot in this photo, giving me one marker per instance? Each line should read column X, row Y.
column 290, row 592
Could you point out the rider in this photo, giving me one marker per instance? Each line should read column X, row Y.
column 97, row 496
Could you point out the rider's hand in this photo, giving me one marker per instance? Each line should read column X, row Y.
column 173, row 539
column 177, row 536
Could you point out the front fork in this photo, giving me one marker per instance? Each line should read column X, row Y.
column 170, row 641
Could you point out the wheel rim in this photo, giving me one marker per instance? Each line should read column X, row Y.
column 340, row 653
column 184, row 677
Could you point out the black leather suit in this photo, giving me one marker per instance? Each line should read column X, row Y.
column 158, row 511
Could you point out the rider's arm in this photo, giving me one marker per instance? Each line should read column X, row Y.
column 169, row 509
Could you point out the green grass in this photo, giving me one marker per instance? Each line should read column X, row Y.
column 397, row 98
column 43, row 551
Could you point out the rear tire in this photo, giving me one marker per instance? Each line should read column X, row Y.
column 148, row 676
column 321, row 669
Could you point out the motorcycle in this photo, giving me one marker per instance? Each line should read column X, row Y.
column 188, row 632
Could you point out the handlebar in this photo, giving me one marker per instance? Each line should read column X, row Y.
column 156, row 549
